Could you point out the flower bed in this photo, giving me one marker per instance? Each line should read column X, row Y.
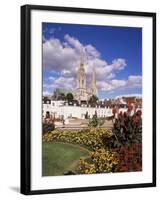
column 119, row 150
column 130, row 158
column 91, row 137
column 101, row 161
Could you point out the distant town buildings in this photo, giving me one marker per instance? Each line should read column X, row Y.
column 58, row 108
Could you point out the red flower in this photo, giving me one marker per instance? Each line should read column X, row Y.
column 126, row 157
column 139, row 113
column 136, row 147
column 130, row 158
column 136, row 119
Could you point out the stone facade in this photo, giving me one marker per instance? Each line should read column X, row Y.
column 83, row 93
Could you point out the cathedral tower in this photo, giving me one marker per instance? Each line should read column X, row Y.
column 81, row 94
column 93, row 82
column 81, row 77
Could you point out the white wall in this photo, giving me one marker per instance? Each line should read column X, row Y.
column 10, row 95
column 76, row 111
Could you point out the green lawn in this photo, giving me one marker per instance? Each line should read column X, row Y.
column 59, row 158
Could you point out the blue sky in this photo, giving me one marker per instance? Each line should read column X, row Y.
column 116, row 53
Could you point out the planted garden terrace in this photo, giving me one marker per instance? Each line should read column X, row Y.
column 95, row 149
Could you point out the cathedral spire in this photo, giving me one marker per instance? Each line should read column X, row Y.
column 94, row 75
column 93, row 82
column 82, row 58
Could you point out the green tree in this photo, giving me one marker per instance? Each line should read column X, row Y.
column 62, row 96
column 69, row 97
column 93, row 100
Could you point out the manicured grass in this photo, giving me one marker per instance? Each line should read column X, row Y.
column 59, row 158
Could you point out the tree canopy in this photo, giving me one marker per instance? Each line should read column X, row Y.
column 69, row 97
column 93, row 100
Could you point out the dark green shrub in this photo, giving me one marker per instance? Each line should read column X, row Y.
column 48, row 127
column 96, row 122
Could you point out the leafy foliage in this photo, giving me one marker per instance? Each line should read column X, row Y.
column 69, row 97
column 96, row 122
column 127, row 130
column 48, row 127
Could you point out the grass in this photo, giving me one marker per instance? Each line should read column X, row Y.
column 59, row 158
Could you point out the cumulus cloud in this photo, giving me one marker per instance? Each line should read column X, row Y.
column 135, row 81
column 131, row 82
column 104, row 86
column 91, row 52
column 56, row 57
column 51, row 78
column 118, row 83
column 61, row 82
column 47, row 93
column 64, row 57
column 73, row 42
column 119, row 64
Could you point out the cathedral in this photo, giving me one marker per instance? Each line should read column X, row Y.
column 83, row 93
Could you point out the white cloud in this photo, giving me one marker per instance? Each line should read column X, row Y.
column 47, row 93
column 118, row 83
column 119, row 64
column 91, row 52
column 135, row 81
column 66, row 83
column 57, row 57
column 61, row 82
column 64, row 57
column 51, row 78
column 60, row 56
column 131, row 82
column 73, row 42
column 104, row 86
column 129, row 95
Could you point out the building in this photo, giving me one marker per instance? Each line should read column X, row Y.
column 83, row 93
column 57, row 109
